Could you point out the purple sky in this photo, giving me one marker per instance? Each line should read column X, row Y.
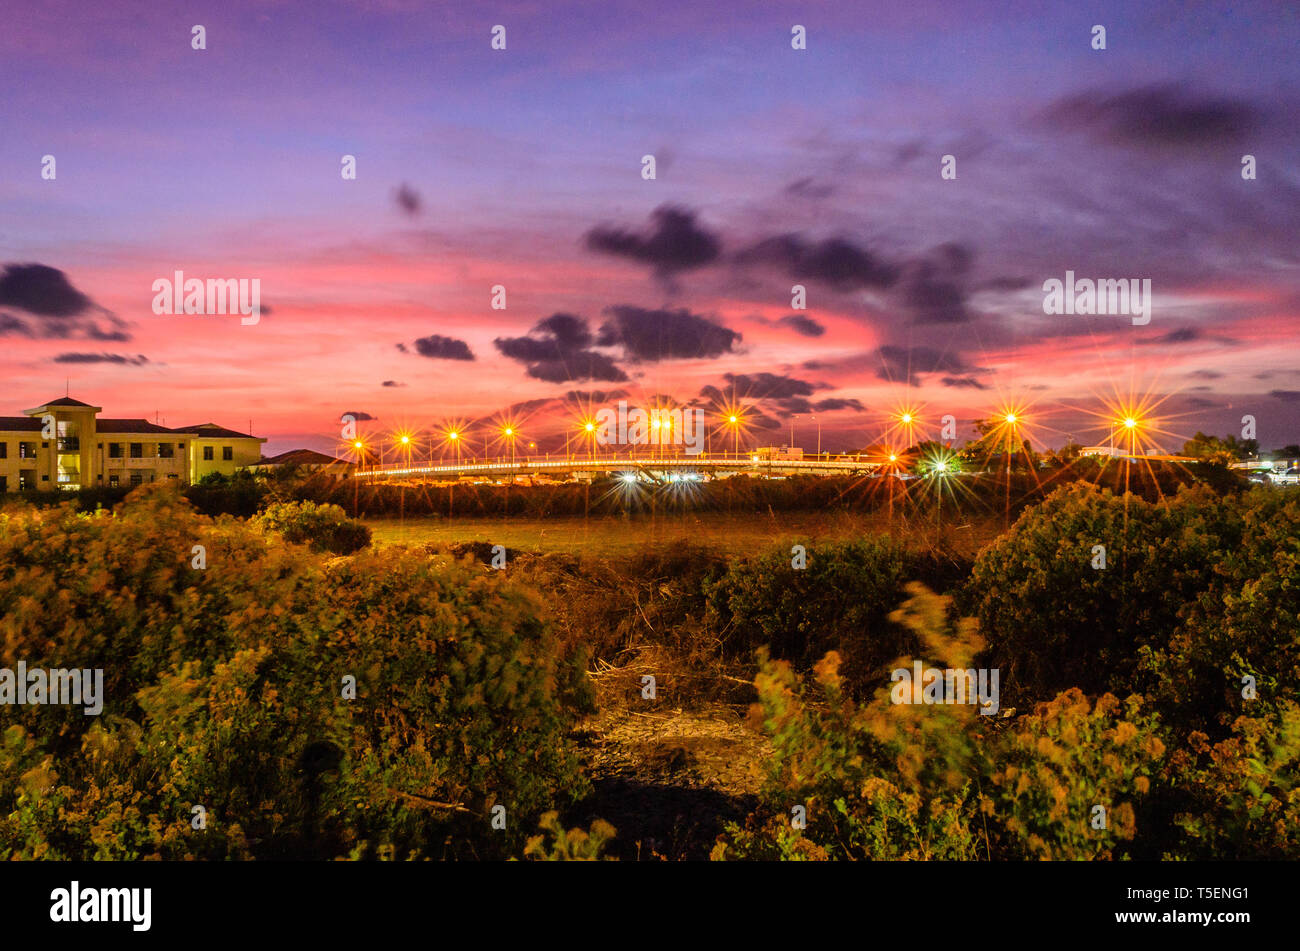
column 522, row 167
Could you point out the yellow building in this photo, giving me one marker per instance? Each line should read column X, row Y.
column 214, row 448
column 65, row 444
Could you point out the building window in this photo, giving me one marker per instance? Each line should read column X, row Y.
column 137, row 478
column 137, row 450
column 227, row 453
column 4, row 483
column 165, row 450
column 4, row 450
column 207, row 453
column 25, row 450
column 115, row 450
column 112, row 482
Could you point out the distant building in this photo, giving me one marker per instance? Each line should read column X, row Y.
column 308, row 459
column 65, row 444
column 772, row 453
column 1151, row 455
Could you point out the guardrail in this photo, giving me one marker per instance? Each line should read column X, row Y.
column 535, row 464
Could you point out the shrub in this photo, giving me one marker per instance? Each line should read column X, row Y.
column 901, row 781
column 1053, row 622
column 841, row 601
column 1065, row 780
column 224, row 688
column 1241, row 796
column 323, row 527
column 556, row 844
column 1243, row 624
column 877, row 780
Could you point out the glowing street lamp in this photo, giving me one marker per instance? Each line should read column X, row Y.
column 509, row 433
column 1132, row 425
column 734, row 422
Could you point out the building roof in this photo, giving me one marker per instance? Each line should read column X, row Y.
column 67, row 401
column 213, row 431
column 301, row 457
column 24, row 424
column 129, row 426
column 63, row 401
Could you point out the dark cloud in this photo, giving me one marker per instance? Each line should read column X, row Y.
column 934, row 288
column 903, row 364
column 654, row 335
column 1167, row 116
column 767, row 386
column 408, row 199
column 584, row 365
column 809, row 188
column 836, row 262
column 117, row 358
column 58, row 311
column 359, row 416
column 392, row 383
column 673, row 242
column 836, row 403
column 963, row 382
column 1180, row 335
column 1206, row 374
column 41, row 290
column 804, row 326
column 1006, row 284
column 438, row 347
column 558, row 350
column 594, row 396
column 1286, row 396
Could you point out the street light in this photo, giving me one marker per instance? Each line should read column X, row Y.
column 509, row 433
column 455, row 441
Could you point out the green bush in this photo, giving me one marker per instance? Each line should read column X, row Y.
column 1066, row 781
column 324, row 527
column 1240, row 797
column 841, row 601
column 1243, row 624
column 880, row 780
column 876, row 779
column 224, row 687
column 1053, row 621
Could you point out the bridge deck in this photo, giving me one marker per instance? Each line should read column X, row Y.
column 534, row 465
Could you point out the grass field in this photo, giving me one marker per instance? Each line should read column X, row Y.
column 735, row 534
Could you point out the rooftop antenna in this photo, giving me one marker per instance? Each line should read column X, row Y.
column 67, row 386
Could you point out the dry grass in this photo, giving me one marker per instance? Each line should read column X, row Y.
column 728, row 534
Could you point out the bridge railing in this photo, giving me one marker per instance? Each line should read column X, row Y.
column 582, row 463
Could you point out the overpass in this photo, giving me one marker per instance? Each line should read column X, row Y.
column 637, row 466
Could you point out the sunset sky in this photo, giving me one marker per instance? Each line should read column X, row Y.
column 522, row 167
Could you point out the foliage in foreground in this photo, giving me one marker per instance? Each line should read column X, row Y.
column 226, row 687
column 1076, row 779
column 1195, row 593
